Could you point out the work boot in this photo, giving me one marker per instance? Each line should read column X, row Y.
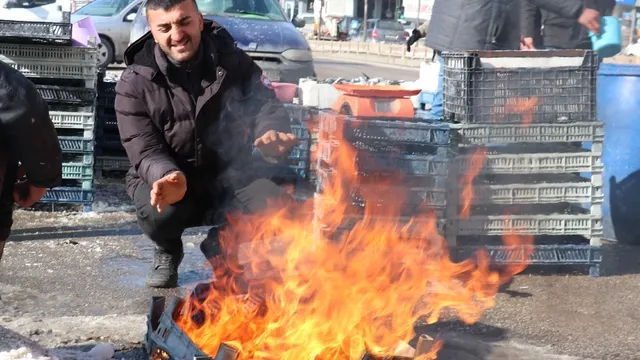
column 164, row 271
column 227, row 272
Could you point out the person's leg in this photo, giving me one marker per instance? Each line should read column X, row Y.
column 249, row 200
column 437, row 107
column 165, row 230
column 7, row 179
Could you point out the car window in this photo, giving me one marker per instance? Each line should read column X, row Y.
column 389, row 25
column 265, row 9
column 103, row 7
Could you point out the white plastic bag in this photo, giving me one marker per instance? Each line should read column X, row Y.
column 429, row 76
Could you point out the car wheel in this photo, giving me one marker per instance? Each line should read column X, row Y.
column 105, row 53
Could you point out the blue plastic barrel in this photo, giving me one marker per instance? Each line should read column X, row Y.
column 619, row 108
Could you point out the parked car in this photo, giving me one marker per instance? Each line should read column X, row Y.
column 113, row 20
column 261, row 29
column 383, row 31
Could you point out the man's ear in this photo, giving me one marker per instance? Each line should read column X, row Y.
column 201, row 21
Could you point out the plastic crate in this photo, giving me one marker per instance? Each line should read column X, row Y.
column 552, row 163
column 72, row 120
column 50, row 54
column 71, row 144
column 107, row 88
column 58, row 33
column 66, row 95
column 396, row 131
column 520, row 86
column 43, row 69
column 107, row 100
column 413, row 195
column 113, row 163
column 301, row 114
column 106, row 121
column 581, row 193
column 539, row 255
column 77, row 171
column 485, row 134
column 300, row 131
column 110, row 142
column 371, row 163
column 163, row 336
column 68, row 195
column 557, row 224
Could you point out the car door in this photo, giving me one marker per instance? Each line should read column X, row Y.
column 122, row 30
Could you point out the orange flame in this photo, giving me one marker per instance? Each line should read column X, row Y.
column 334, row 295
column 522, row 106
column 478, row 160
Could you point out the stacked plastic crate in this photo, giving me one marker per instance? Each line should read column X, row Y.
column 535, row 114
column 419, row 153
column 304, row 124
column 111, row 159
column 65, row 75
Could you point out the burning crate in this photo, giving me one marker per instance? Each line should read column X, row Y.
column 165, row 340
column 390, row 158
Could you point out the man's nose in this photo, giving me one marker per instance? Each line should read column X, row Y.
column 177, row 35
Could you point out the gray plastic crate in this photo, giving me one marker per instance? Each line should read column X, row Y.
column 396, row 131
column 58, row 33
column 66, row 95
column 73, row 120
column 520, row 86
column 70, row 144
column 77, row 171
column 371, row 163
column 68, row 195
column 485, row 134
column 539, row 255
column 412, row 195
column 547, row 193
column 589, row 226
column 112, row 163
column 552, row 163
column 164, row 336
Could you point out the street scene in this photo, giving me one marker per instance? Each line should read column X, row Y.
column 325, row 180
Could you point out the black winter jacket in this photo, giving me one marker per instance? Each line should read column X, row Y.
column 458, row 25
column 27, row 133
column 210, row 141
column 561, row 32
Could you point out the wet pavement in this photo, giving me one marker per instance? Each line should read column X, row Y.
column 69, row 280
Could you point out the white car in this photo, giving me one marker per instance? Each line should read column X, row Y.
column 113, row 20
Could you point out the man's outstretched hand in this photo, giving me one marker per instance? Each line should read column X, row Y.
column 274, row 144
column 591, row 20
column 168, row 190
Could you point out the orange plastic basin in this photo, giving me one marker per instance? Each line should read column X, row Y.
column 379, row 91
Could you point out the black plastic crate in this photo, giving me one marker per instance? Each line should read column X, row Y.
column 37, row 32
column 107, row 100
column 66, row 95
column 520, row 86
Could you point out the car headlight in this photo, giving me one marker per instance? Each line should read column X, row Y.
column 298, row 55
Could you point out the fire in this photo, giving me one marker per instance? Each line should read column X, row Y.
column 478, row 159
column 522, row 106
column 334, row 295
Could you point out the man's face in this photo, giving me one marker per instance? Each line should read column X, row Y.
column 177, row 30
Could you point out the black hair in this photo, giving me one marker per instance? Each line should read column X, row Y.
column 165, row 5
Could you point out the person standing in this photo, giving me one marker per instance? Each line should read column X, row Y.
column 27, row 137
column 465, row 25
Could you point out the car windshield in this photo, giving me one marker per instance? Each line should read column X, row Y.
column 259, row 9
column 103, row 7
column 389, row 25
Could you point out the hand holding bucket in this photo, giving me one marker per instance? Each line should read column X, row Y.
column 609, row 42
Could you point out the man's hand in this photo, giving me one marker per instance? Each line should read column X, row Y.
column 25, row 194
column 415, row 36
column 274, row 144
column 591, row 20
column 527, row 44
column 168, row 190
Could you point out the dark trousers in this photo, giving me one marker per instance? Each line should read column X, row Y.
column 8, row 172
column 200, row 208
